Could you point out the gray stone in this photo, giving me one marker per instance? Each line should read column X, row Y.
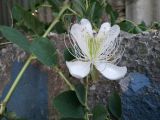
column 30, row 98
column 142, row 53
column 140, row 98
column 134, row 81
column 138, row 81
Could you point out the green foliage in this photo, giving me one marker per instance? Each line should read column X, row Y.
column 69, row 106
column 57, row 4
column 131, row 27
column 95, row 10
column 35, row 4
column 113, row 14
column 114, row 105
column 143, row 26
column 155, row 25
column 44, row 50
column 94, row 74
column 95, row 13
column 26, row 19
column 60, row 27
column 99, row 112
column 67, row 55
column 78, row 6
column 81, row 93
column 15, row 36
column 41, row 47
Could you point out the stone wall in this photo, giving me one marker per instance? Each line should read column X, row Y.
column 142, row 54
column 143, row 10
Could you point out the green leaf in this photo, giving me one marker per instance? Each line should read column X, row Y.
column 131, row 27
column 28, row 20
column 35, row 4
column 143, row 26
column 69, row 106
column 95, row 13
column 15, row 36
column 99, row 112
column 137, row 30
column 81, row 93
column 67, row 55
column 59, row 27
column 114, row 104
column 113, row 14
column 56, row 4
column 155, row 25
column 44, row 50
column 126, row 26
column 94, row 74
column 92, row 10
column 78, row 6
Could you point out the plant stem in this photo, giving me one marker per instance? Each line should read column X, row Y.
column 11, row 90
column 14, row 85
column 56, row 20
column 74, row 12
column 87, row 5
column 86, row 99
column 64, row 78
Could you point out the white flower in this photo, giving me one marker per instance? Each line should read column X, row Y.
column 99, row 49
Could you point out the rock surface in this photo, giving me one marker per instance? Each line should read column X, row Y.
column 141, row 93
column 30, row 99
column 134, row 82
column 142, row 103
column 142, row 55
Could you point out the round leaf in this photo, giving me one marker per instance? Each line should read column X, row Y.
column 69, row 106
column 15, row 36
column 81, row 93
column 28, row 20
column 44, row 50
column 99, row 112
column 115, row 105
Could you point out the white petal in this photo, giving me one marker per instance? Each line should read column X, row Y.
column 110, row 71
column 86, row 25
column 78, row 69
column 109, row 42
column 113, row 33
column 105, row 27
column 80, row 33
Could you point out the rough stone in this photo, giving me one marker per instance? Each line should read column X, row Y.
column 140, row 98
column 142, row 53
column 141, row 105
column 145, row 62
column 134, row 82
column 30, row 99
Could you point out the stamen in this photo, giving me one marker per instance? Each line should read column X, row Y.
column 112, row 53
column 78, row 53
